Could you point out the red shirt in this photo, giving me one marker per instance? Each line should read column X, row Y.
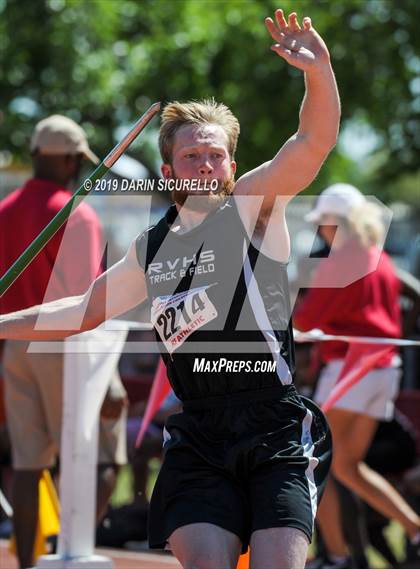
column 65, row 266
column 369, row 306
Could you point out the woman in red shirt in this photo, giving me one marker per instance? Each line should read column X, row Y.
column 355, row 292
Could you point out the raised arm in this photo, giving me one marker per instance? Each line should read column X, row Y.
column 117, row 290
column 298, row 161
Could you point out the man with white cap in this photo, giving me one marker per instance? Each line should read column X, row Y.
column 66, row 266
column 369, row 306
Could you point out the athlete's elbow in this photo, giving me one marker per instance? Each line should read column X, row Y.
column 91, row 321
column 323, row 146
column 93, row 315
column 330, row 144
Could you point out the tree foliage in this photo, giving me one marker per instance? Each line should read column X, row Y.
column 103, row 62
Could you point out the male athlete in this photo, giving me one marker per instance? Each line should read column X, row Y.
column 246, row 459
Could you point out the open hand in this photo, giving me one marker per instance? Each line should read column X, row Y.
column 302, row 47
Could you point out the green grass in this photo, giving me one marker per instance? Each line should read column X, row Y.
column 395, row 534
column 123, row 493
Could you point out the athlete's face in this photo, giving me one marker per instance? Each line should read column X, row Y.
column 200, row 152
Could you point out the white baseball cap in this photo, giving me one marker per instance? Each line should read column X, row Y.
column 338, row 199
column 58, row 135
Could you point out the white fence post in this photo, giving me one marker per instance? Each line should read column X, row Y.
column 87, row 373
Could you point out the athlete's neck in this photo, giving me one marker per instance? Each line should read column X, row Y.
column 187, row 219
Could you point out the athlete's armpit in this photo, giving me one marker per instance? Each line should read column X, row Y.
column 119, row 289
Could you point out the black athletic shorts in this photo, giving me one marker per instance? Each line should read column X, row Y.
column 244, row 462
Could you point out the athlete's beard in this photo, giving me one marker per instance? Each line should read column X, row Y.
column 204, row 201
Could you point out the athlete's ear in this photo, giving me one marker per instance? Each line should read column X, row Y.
column 233, row 166
column 166, row 170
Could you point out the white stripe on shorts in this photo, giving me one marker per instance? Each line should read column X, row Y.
column 308, row 451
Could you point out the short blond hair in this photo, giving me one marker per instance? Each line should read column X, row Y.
column 365, row 222
column 176, row 115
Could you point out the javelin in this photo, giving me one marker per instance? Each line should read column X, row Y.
column 54, row 225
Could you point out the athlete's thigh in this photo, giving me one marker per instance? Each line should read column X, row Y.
column 190, row 491
column 352, row 434
column 289, row 473
column 205, row 546
column 278, row 547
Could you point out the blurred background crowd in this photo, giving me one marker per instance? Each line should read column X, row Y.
column 103, row 62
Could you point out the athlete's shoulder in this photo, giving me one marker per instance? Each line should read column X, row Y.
column 155, row 231
column 149, row 241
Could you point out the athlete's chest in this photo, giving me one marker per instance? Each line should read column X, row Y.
column 211, row 254
column 193, row 280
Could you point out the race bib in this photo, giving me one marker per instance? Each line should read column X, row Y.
column 177, row 317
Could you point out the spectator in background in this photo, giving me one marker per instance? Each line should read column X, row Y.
column 151, row 446
column 366, row 307
column 410, row 305
column 64, row 267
